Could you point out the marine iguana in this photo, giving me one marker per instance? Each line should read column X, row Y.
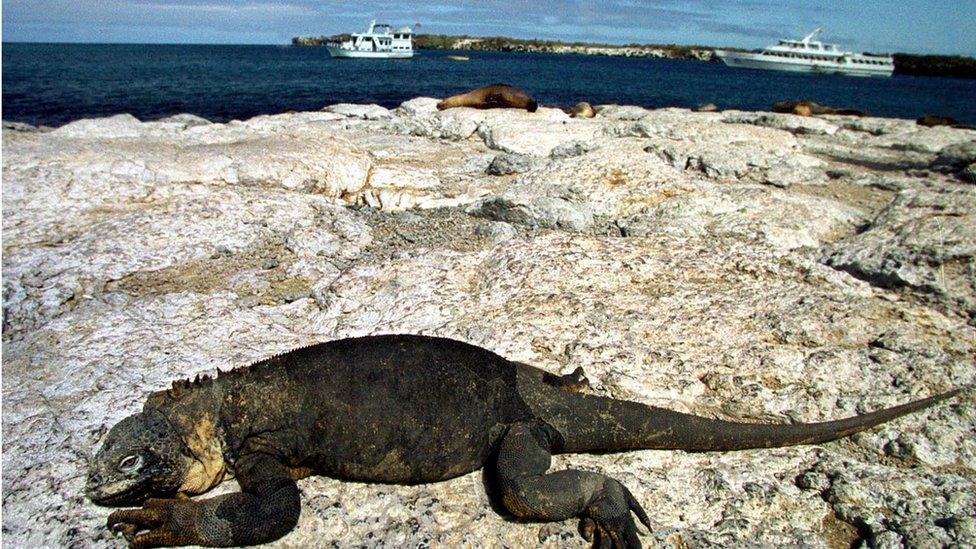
column 397, row 409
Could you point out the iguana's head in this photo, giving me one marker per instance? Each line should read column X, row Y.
column 143, row 456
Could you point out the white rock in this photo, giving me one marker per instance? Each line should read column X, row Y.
column 621, row 112
column 120, row 125
column 683, row 262
column 366, row 112
column 516, row 131
column 927, row 140
column 419, row 105
column 187, row 120
column 790, row 122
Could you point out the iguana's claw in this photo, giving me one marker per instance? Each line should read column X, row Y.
column 162, row 518
column 608, row 523
column 129, row 531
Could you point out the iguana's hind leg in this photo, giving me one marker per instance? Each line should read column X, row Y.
column 529, row 492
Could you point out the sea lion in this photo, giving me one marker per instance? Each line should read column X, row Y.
column 809, row 108
column 803, row 109
column 933, row 120
column 495, row 96
column 582, row 110
column 707, row 107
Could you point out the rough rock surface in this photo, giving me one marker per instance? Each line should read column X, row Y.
column 508, row 164
column 367, row 112
column 957, row 158
column 737, row 265
column 924, row 240
column 19, row 126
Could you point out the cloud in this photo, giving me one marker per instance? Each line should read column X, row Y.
column 276, row 9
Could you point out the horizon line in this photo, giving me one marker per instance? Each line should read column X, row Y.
column 81, row 43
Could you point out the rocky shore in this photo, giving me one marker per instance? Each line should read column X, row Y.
column 748, row 265
column 480, row 43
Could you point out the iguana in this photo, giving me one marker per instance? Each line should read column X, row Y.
column 398, row 409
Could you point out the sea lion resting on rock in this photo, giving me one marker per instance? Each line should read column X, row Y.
column 809, row 108
column 495, row 96
column 582, row 110
column 933, row 120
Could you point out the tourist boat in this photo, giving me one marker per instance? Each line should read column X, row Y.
column 809, row 55
column 380, row 41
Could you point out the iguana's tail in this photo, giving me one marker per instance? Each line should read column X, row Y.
column 617, row 425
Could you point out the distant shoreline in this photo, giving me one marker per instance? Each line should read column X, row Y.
column 506, row 44
column 950, row 66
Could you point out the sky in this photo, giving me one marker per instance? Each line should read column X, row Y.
column 914, row 26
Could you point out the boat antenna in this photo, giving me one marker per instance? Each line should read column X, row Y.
column 809, row 37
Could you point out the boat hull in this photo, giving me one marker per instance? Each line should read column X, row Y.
column 758, row 61
column 354, row 54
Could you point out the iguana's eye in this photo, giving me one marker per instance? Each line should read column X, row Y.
column 130, row 463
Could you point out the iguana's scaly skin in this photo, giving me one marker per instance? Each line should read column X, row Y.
column 393, row 409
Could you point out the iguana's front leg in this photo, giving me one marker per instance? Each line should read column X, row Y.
column 266, row 509
column 602, row 504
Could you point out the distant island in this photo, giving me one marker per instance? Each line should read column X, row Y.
column 953, row 66
column 503, row 43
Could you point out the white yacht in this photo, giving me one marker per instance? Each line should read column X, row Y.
column 380, row 41
column 809, row 55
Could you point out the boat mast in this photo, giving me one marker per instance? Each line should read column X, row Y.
column 812, row 35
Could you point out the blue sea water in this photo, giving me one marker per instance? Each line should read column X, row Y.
column 53, row 84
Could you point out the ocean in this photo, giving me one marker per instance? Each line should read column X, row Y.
column 52, row 84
